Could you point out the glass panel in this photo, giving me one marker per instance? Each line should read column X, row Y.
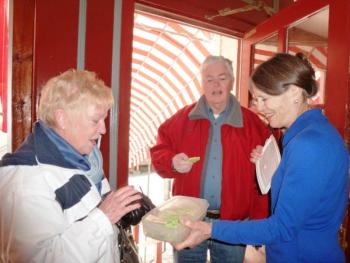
column 261, row 52
column 264, row 50
column 166, row 60
column 310, row 36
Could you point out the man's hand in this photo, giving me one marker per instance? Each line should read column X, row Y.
column 256, row 154
column 181, row 163
column 200, row 231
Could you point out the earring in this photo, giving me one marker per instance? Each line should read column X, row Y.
column 296, row 101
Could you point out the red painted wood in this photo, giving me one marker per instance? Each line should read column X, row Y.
column 336, row 93
column 125, row 92
column 56, row 36
column 159, row 252
column 275, row 24
column 136, row 233
column 3, row 63
column 98, row 52
column 23, row 100
column 246, row 60
column 285, row 17
column 337, row 84
column 347, row 134
column 282, row 43
column 195, row 12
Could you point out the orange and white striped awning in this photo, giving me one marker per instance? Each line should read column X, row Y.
column 165, row 75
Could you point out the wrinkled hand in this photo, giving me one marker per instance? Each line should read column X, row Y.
column 256, row 154
column 181, row 163
column 119, row 203
column 200, row 231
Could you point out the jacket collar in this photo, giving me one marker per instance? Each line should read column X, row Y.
column 234, row 117
column 36, row 148
column 303, row 121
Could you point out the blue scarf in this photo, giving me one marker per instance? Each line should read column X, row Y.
column 70, row 154
column 91, row 163
column 96, row 173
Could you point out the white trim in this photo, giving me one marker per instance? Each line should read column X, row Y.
column 81, row 35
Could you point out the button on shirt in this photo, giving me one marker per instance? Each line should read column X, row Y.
column 211, row 183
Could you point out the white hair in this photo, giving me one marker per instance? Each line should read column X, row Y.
column 214, row 59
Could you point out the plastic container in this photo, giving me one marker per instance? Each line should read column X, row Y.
column 163, row 222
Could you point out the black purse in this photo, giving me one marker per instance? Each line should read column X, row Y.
column 134, row 217
column 127, row 247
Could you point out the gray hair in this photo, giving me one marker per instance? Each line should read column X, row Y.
column 214, row 59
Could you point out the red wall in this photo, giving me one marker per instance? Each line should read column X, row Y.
column 3, row 62
column 56, row 36
column 336, row 93
column 56, row 41
column 125, row 92
column 98, row 51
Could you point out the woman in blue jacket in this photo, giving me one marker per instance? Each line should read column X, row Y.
column 309, row 189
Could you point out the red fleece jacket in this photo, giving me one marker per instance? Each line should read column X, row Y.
column 240, row 197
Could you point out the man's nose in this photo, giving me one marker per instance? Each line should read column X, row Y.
column 216, row 81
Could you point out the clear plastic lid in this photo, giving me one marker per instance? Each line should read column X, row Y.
column 163, row 222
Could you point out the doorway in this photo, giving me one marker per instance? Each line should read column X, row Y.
column 165, row 77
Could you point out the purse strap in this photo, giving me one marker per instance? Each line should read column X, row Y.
column 127, row 247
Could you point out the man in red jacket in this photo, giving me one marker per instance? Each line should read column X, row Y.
column 222, row 133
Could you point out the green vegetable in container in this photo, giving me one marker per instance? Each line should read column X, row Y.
column 172, row 221
column 171, row 218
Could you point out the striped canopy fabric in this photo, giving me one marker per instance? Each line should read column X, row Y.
column 165, row 75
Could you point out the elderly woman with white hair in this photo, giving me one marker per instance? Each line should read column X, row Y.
column 52, row 208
